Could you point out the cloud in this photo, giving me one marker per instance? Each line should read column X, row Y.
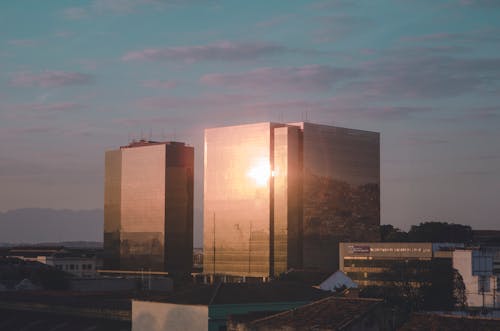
column 433, row 76
column 483, row 113
column 209, row 101
column 23, row 42
column 340, row 26
column 309, row 78
column 264, row 107
column 63, row 34
column 277, row 20
column 46, row 107
column 118, row 7
column 50, row 79
column 480, row 3
column 164, row 84
column 482, row 35
column 221, row 51
column 75, row 13
column 333, row 4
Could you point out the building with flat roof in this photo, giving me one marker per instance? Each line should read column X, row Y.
column 280, row 196
column 480, row 271
column 148, row 207
column 208, row 307
column 382, row 263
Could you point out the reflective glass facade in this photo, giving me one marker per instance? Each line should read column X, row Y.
column 237, row 200
column 148, row 207
column 279, row 196
column 341, row 191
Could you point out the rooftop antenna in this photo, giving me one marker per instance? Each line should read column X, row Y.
column 150, row 133
column 142, row 134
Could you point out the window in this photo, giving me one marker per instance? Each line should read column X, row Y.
column 484, row 284
column 71, row 266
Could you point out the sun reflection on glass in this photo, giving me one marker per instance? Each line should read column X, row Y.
column 260, row 172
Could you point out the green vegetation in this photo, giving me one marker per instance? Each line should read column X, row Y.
column 428, row 232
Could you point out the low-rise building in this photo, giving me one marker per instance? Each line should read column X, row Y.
column 331, row 313
column 381, row 263
column 447, row 322
column 480, row 271
column 208, row 307
column 80, row 263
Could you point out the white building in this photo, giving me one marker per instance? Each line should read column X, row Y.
column 80, row 265
column 480, row 270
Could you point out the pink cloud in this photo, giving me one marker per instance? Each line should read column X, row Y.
column 41, row 109
column 50, row 79
column 276, row 20
column 120, row 6
column 57, row 106
column 101, row 7
column 480, row 35
column 164, row 84
column 75, row 13
column 221, row 51
column 63, row 34
column 195, row 102
column 298, row 79
column 22, row 42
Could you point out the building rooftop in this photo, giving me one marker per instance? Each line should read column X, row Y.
column 143, row 142
column 231, row 293
column 73, row 299
column 241, row 293
column 331, row 313
column 435, row 322
column 305, row 276
column 41, row 321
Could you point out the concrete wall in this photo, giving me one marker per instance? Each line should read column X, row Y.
column 156, row 316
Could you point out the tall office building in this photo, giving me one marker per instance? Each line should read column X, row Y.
column 148, row 207
column 280, row 196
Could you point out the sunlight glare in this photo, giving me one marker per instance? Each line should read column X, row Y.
column 260, row 172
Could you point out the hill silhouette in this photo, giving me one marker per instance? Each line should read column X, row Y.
column 35, row 225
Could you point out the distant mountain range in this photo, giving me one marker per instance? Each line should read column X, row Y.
column 43, row 226
column 40, row 225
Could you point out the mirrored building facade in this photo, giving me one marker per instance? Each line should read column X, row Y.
column 148, row 207
column 280, row 196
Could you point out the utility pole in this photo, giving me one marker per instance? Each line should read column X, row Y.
column 214, row 248
column 250, row 249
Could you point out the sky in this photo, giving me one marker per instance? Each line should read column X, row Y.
column 78, row 78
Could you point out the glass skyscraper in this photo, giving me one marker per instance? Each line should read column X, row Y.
column 280, row 196
column 148, row 207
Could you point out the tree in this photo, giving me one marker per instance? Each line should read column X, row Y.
column 459, row 290
column 440, row 232
column 388, row 233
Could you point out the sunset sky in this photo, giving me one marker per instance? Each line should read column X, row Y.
column 81, row 77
